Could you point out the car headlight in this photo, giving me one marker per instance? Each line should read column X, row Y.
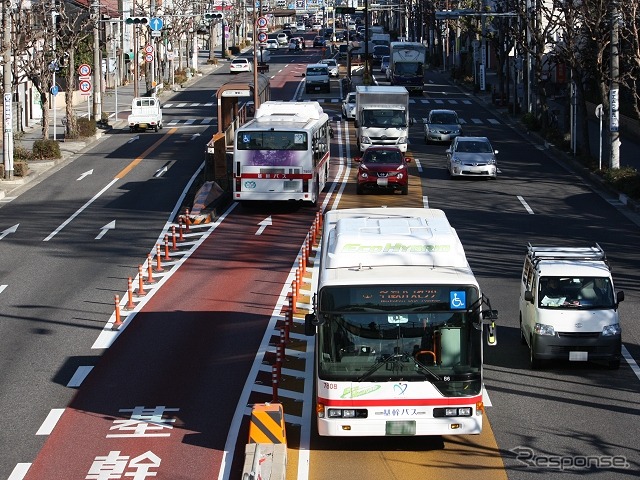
column 610, row 330
column 365, row 140
column 456, row 160
column 542, row 329
column 492, row 161
column 399, row 175
column 402, row 140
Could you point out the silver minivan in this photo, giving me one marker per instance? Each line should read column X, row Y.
column 317, row 78
column 569, row 307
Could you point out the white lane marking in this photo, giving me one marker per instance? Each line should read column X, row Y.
column 632, row 363
column 80, row 210
column 109, row 226
column 477, row 121
column 19, row 471
column 525, row 205
column 9, row 230
column 418, row 165
column 2, row 287
column 78, row 377
column 493, row 121
column 425, row 201
column 50, row 422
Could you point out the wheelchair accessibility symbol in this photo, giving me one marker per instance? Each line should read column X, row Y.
column 457, row 300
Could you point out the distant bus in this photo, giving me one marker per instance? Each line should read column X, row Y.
column 282, row 154
column 399, row 319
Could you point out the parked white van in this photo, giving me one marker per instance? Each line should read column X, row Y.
column 568, row 306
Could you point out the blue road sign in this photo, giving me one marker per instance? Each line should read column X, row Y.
column 156, row 23
column 54, row 90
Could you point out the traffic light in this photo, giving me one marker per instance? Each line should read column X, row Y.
column 211, row 16
column 137, row 21
column 345, row 10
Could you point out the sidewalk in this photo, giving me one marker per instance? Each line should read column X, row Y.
column 69, row 148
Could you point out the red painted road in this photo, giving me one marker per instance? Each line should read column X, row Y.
column 163, row 395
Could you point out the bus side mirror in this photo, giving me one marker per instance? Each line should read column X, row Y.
column 310, row 324
column 528, row 296
column 489, row 317
column 492, row 338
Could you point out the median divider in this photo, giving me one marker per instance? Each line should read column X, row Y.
column 266, row 452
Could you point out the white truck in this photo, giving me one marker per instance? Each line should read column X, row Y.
column 382, row 116
column 406, row 65
column 146, row 114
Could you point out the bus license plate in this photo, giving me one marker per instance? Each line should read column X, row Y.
column 383, row 182
column 407, row 427
column 578, row 356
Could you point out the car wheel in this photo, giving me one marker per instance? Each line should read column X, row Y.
column 534, row 362
column 155, row 129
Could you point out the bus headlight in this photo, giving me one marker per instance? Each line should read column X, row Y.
column 610, row 330
column 542, row 329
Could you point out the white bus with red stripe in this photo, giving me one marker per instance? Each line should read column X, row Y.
column 399, row 320
column 282, row 154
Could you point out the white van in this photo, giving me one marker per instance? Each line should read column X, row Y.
column 317, row 78
column 568, row 306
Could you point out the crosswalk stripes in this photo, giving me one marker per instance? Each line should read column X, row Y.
column 191, row 121
column 475, row 121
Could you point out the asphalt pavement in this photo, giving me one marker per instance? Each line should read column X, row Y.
column 70, row 148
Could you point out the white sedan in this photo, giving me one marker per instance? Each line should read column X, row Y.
column 272, row 44
column 240, row 65
column 333, row 66
column 349, row 106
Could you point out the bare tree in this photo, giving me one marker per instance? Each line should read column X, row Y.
column 74, row 28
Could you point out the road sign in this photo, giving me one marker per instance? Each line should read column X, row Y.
column 156, row 23
column 148, row 57
column 262, row 37
column 84, row 70
column 148, row 49
column 54, row 90
column 85, row 87
column 155, row 33
column 262, row 22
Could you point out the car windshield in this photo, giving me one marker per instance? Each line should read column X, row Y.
column 388, row 157
column 474, row 146
column 351, row 98
column 383, row 118
column 575, row 292
column 444, row 118
column 331, row 63
column 316, row 71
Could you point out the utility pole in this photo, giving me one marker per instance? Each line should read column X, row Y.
column 97, row 67
column 614, row 92
column 7, row 139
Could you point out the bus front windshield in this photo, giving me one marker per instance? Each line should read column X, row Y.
column 373, row 334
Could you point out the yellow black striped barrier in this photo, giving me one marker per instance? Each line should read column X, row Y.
column 267, row 424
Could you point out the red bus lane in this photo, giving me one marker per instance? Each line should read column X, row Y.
column 161, row 399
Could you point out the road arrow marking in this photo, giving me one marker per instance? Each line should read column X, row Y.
column 194, row 136
column 160, row 172
column 131, row 140
column 105, row 229
column 85, row 174
column 264, row 224
column 8, row 231
column 2, row 287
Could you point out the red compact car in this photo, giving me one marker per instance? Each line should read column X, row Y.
column 383, row 168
